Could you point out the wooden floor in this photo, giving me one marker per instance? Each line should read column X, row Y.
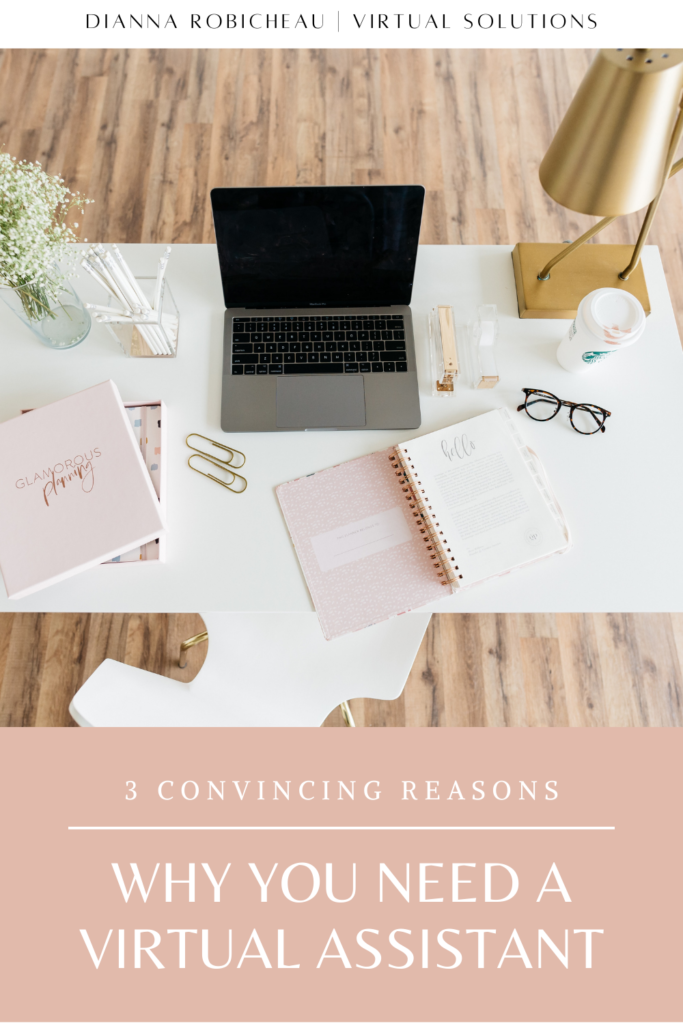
column 147, row 134
column 474, row 670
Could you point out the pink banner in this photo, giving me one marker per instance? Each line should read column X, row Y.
column 389, row 875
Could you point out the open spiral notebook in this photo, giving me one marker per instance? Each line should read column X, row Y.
column 393, row 531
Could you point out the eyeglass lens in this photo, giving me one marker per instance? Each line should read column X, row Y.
column 587, row 419
column 541, row 405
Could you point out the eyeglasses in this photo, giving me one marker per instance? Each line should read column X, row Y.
column 584, row 417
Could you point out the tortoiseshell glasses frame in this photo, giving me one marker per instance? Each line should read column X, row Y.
column 549, row 405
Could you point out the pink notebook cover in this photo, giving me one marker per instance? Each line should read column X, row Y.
column 361, row 553
column 74, row 490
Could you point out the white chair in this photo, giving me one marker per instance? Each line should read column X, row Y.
column 261, row 669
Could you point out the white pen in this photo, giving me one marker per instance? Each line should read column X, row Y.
column 111, row 283
column 162, row 339
column 105, row 309
column 148, row 316
column 159, row 288
column 149, row 334
column 115, row 276
column 97, row 277
column 143, row 328
column 101, row 319
column 119, row 278
column 123, row 297
column 160, row 276
column 129, row 274
column 131, row 289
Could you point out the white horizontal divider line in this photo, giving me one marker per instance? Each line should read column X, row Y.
column 341, row 828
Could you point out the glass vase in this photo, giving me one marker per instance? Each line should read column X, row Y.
column 57, row 319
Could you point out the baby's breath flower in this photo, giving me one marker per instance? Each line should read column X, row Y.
column 34, row 235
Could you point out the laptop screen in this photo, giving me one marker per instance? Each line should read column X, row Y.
column 330, row 246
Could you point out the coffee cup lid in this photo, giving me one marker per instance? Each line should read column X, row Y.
column 615, row 315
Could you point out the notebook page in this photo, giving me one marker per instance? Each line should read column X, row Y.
column 487, row 496
column 358, row 544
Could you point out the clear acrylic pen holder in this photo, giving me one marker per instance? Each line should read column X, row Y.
column 482, row 337
column 154, row 340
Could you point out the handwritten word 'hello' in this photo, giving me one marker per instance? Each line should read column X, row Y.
column 461, row 448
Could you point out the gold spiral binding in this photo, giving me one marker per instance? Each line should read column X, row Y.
column 444, row 563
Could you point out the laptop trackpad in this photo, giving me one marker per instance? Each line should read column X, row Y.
column 318, row 402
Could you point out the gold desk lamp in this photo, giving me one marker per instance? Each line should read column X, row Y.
column 613, row 154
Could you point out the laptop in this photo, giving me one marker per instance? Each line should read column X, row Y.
column 317, row 284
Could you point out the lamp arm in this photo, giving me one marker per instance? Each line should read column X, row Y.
column 544, row 274
column 671, row 169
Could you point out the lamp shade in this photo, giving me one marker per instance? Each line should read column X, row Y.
column 609, row 154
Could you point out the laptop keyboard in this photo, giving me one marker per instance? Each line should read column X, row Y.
column 318, row 344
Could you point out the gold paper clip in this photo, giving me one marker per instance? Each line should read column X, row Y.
column 221, row 466
column 216, row 458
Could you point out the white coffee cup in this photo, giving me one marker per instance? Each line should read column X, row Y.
column 607, row 320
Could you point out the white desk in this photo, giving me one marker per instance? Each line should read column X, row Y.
column 622, row 492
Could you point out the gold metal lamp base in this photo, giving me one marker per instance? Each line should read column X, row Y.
column 588, row 268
